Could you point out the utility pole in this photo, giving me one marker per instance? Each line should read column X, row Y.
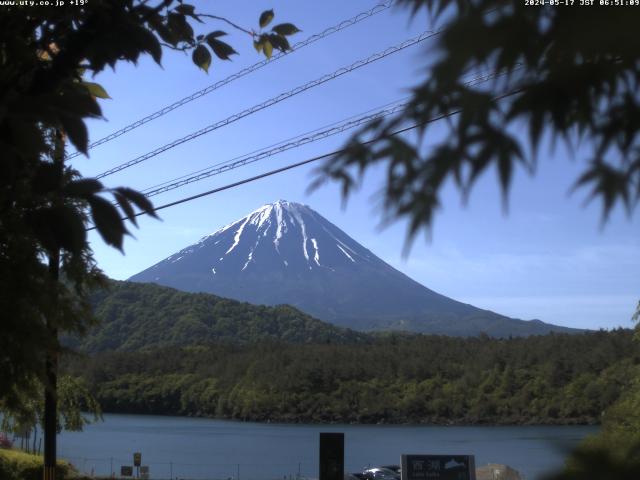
column 51, row 362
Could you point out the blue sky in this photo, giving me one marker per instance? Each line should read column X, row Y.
column 548, row 257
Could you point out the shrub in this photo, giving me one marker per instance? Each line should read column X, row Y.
column 16, row 465
column 4, row 441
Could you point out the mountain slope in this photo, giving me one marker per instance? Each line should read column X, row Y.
column 133, row 316
column 286, row 253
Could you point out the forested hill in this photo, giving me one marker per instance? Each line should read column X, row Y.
column 555, row 379
column 134, row 316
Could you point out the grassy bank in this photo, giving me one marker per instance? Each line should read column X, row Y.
column 17, row 465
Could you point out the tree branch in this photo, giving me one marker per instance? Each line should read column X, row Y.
column 237, row 27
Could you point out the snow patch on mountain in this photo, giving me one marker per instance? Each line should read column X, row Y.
column 345, row 252
column 236, row 238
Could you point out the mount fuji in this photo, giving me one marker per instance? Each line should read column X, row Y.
column 286, row 253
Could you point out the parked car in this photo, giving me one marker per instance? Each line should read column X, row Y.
column 354, row 476
column 393, row 468
column 381, row 473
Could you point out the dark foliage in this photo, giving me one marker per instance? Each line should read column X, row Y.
column 554, row 379
column 570, row 74
column 46, row 55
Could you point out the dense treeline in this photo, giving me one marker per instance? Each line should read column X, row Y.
column 544, row 379
column 132, row 316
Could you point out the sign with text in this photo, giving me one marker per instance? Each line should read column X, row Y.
column 137, row 459
column 126, row 471
column 438, row 467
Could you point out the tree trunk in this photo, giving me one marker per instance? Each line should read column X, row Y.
column 51, row 367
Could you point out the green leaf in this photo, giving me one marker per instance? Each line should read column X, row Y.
column 201, row 57
column 258, row 46
column 107, row 221
column 267, row 48
column 82, row 187
column 221, row 49
column 266, row 17
column 96, row 90
column 286, row 29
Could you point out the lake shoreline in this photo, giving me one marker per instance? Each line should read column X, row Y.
column 438, row 422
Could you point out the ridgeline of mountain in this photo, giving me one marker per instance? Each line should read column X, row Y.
column 134, row 316
column 286, row 253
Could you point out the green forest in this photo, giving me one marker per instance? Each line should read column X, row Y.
column 133, row 316
column 553, row 379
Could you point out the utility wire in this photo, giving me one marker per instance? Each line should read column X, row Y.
column 288, row 167
column 270, row 147
column 272, row 101
column 309, row 160
column 294, row 142
column 381, row 7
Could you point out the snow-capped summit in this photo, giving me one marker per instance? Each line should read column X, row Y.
column 285, row 252
column 283, row 234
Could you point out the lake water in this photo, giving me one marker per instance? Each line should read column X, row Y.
column 192, row 448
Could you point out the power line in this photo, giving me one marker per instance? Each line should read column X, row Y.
column 268, row 152
column 313, row 159
column 287, row 167
column 269, row 147
column 294, row 142
column 245, row 71
column 272, row 101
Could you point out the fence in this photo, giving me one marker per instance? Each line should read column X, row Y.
column 169, row 470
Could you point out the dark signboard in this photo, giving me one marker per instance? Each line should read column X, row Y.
column 438, row 467
column 144, row 471
column 137, row 459
column 126, row 471
column 331, row 456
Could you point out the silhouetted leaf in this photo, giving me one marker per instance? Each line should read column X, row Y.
column 265, row 18
column 82, row 187
column 180, row 27
column 47, row 178
column 69, row 229
column 216, row 34
column 126, row 207
column 285, row 29
column 76, row 130
column 221, row 49
column 185, row 9
column 107, row 221
column 281, row 43
column 201, row 57
column 138, row 199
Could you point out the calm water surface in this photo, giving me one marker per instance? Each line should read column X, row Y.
column 192, row 448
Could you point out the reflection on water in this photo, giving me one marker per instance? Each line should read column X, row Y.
column 191, row 448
